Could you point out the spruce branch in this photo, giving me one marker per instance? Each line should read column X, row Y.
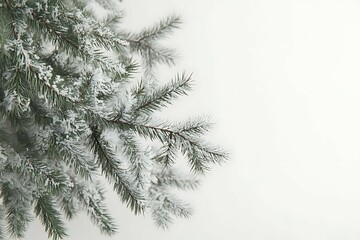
column 59, row 100
column 177, row 207
column 198, row 154
column 69, row 205
column 163, row 96
column 93, row 201
column 17, row 204
column 111, row 168
column 50, row 217
column 54, row 181
column 41, row 113
column 167, row 153
column 153, row 54
column 69, row 113
column 162, row 218
column 159, row 30
column 2, row 228
column 30, row 76
column 76, row 156
column 73, row 44
column 19, row 119
column 140, row 164
column 144, row 43
column 164, row 206
column 196, row 126
column 170, row 177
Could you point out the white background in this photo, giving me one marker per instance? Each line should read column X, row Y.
column 281, row 80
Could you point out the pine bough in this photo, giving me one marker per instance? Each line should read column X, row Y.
column 72, row 111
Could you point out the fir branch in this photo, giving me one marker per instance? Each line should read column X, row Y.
column 164, row 205
column 76, row 156
column 19, row 119
column 163, row 96
column 2, row 93
column 153, row 54
column 51, row 179
column 167, row 154
column 48, row 51
column 17, row 204
column 69, row 205
column 59, row 100
column 106, row 39
column 144, row 43
column 111, row 168
column 92, row 200
column 55, row 30
column 161, row 217
column 27, row 80
column 197, row 126
column 171, row 177
column 131, row 68
column 112, row 20
column 138, row 89
column 2, row 228
column 66, row 68
column 41, row 113
column 159, row 30
column 159, row 132
column 67, row 40
column 6, row 135
column 200, row 154
column 177, row 207
column 140, row 164
column 50, row 217
column 18, row 124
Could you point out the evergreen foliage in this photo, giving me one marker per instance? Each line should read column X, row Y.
column 72, row 110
